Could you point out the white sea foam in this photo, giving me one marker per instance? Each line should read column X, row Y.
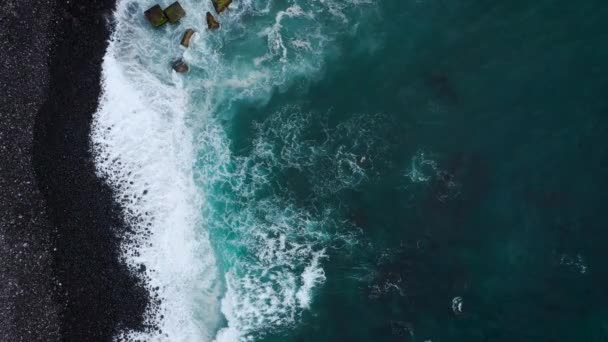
column 313, row 275
column 423, row 169
column 276, row 46
column 274, row 249
column 144, row 150
column 146, row 154
column 159, row 143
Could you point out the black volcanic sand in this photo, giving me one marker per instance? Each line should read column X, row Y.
column 27, row 310
column 61, row 278
column 98, row 294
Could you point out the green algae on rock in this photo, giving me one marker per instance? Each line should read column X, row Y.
column 212, row 23
column 220, row 5
column 174, row 12
column 186, row 37
column 156, row 16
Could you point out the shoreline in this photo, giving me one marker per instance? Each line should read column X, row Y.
column 99, row 295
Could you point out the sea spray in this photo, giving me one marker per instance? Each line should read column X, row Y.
column 481, row 110
column 144, row 150
column 207, row 221
column 274, row 244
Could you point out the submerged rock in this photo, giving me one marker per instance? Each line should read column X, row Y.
column 156, row 16
column 186, row 37
column 180, row 66
column 174, row 12
column 220, row 5
column 212, row 23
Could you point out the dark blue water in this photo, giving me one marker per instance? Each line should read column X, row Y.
column 482, row 132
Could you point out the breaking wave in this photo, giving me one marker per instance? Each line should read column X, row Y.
column 231, row 254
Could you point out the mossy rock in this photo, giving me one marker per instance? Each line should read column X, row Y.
column 180, row 66
column 220, row 5
column 156, row 16
column 174, row 12
column 212, row 23
column 186, row 37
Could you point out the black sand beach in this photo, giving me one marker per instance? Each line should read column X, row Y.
column 61, row 278
column 27, row 310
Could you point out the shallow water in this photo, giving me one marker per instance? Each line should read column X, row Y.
column 352, row 170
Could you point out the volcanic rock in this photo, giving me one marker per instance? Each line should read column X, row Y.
column 186, row 37
column 180, row 66
column 174, row 12
column 220, row 5
column 156, row 16
column 212, row 23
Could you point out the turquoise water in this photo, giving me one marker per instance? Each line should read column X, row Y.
column 484, row 125
column 369, row 170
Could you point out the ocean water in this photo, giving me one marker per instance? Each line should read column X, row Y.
column 363, row 170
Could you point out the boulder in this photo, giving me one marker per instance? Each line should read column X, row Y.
column 180, row 66
column 220, row 5
column 212, row 23
column 156, row 16
column 174, row 12
column 186, row 37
